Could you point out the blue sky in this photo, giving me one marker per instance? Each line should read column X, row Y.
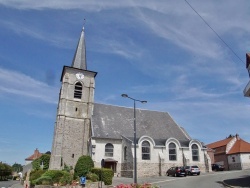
column 159, row 51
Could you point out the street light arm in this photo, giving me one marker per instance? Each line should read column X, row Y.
column 126, row 96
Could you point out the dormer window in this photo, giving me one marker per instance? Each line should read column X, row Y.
column 78, row 90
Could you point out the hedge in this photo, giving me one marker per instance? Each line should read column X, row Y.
column 105, row 174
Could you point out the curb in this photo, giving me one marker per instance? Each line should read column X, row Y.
column 229, row 185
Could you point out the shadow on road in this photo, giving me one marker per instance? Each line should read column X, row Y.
column 243, row 181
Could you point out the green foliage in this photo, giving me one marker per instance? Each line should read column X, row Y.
column 93, row 177
column 67, row 168
column 66, row 178
column 51, row 177
column 42, row 161
column 83, row 166
column 5, row 171
column 54, row 174
column 35, row 174
column 105, row 174
column 17, row 167
column 43, row 180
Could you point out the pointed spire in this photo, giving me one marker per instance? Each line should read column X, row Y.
column 79, row 60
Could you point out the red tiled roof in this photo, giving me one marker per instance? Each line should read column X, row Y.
column 36, row 155
column 220, row 143
column 240, row 146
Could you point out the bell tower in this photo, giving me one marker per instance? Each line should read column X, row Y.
column 72, row 127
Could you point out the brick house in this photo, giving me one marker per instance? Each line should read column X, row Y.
column 232, row 152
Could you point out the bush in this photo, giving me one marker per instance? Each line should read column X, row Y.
column 66, row 178
column 43, row 180
column 93, row 177
column 43, row 160
column 51, row 177
column 83, row 166
column 54, row 174
column 105, row 174
column 35, row 174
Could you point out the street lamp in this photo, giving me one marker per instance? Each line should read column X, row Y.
column 135, row 163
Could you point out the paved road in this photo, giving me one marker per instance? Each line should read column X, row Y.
column 7, row 184
column 205, row 180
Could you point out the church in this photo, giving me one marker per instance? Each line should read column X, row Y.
column 106, row 132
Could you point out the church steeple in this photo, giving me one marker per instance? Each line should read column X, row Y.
column 79, row 60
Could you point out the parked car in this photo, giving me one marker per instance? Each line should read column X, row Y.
column 176, row 171
column 191, row 170
column 217, row 167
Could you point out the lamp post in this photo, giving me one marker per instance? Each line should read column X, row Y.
column 135, row 160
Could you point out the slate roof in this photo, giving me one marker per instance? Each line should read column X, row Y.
column 110, row 121
column 79, row 60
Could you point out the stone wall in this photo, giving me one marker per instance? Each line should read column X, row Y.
column 72, row 127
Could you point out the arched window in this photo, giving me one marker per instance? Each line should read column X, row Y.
column 195, row 152
column 145, row 150
column 125, row 153
column 172, row 151
column 109, row 150
column 78, row 90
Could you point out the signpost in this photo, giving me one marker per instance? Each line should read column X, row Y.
column 83, row 181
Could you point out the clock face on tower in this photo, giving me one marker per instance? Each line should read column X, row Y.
column 79, row 76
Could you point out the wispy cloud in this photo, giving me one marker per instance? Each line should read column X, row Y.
column 15, row 83
column 38, row 33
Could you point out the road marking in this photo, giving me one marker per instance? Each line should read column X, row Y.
column 163, row 181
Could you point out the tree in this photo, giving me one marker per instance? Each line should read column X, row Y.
column 41, row 162
column 83, row 166
column 5, row 171
column 17, row 167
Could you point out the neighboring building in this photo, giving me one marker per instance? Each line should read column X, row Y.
column 106, row 132
column 232, row 152
column 28, row 160
column 247, row 88
column 34, row 156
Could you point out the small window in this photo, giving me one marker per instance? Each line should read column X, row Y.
column 195, row 152
column 109, row 149
column 78, row 90
column 145, row 150
column 125, row 153
column 233, row 159
column 172, row 152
